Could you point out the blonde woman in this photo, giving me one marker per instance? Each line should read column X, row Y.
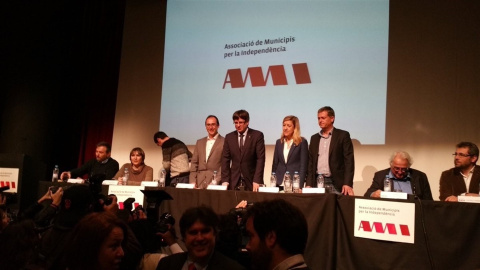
column 291, row 151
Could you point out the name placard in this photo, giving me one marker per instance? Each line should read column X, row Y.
column 469, row 199
column 313, row 190
column 184, row 185
column 217, row 187
column 393, row 195
column 269, row 189
column 76, row 181
column 149, row 184
column 385, row 220
column 110, row 182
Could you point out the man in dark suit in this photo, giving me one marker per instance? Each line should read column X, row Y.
column 207, row 156
column 198, row 227
column 331, row 154
column 403, row 178
column 243, row 159
column 466, row 173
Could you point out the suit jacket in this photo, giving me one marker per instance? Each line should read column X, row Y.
column 297, row 160
column 418, row 181
column 250, row 163
column 340, row 158
column 452, row 183
column 217, row 262
column 201, row 169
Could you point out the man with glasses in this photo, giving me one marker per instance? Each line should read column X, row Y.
column 207, row 156
column 465, row 174
column 404, row 178
column 243, row 158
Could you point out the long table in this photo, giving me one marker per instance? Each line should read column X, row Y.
column 447, row 235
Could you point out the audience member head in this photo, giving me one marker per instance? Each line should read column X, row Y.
column 102, row 152
column 291, row 129
column 97, row 242
column 137, row 156
column 400, row 162
column 77, row 201
column 159, row 138
column 241, row 118
column 17, row 245
column 277, row 230
column 198, row 227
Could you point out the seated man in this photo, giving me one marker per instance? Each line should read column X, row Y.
column 278, row 235
column 102, row 164
column 404, row 178
column 198, row 227
column 466, row 173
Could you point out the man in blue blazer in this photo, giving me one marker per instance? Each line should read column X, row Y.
column 335, row 159
column 243, row 159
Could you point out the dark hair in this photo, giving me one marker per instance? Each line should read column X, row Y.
column 472, row 148
column 283, row 218
column 241, row 114
column 218, row 122
column 87, row 238
column 203, row 214
column 140, row 151
column 106, row 145
column 328, row 109
column 160, row 134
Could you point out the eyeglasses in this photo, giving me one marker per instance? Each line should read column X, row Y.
column 461, row 154
column 400, row 169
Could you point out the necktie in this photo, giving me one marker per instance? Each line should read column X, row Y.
column 241, row 142
column 192, row 267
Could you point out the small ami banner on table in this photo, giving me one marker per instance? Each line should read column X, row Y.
column 385, row 220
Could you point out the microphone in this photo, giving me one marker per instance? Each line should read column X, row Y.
column 2, row 189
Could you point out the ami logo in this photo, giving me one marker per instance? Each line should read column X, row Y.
column 6, row 183
column 277, row 73
column 378, row 227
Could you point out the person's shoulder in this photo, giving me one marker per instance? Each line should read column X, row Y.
column 417, row 172
column 339, row 131
column 254, row 131
column 382, row 172
column 220, row 261
column 112, row 160
column 172, row 261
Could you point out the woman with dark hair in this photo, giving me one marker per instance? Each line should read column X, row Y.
column 137, row 169
column 97, row 243
column 291, row 151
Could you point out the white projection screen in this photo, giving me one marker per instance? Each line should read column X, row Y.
column 273, row 59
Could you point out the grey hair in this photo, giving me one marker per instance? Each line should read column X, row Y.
column 402, row 155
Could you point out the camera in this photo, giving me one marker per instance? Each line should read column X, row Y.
column 163, row 222
column 53, row 189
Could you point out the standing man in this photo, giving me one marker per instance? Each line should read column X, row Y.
column 198, row 227
column 102, row 164
column 207, row 156
column 176, row 158
column 404, row 178
column 331, row 154
column 465, row 174
column 243, row 159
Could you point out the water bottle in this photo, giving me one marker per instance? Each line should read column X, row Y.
column 126, row 176
column 214, row 178
column 287, row 182
column 387, row 184
column 296, row 182
column 273, row 180
column 55, row 174
column 329, row 188
column 320, row 181
column 161, row 181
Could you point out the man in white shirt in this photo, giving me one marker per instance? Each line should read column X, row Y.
column 466, row 173
column 207, row 155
